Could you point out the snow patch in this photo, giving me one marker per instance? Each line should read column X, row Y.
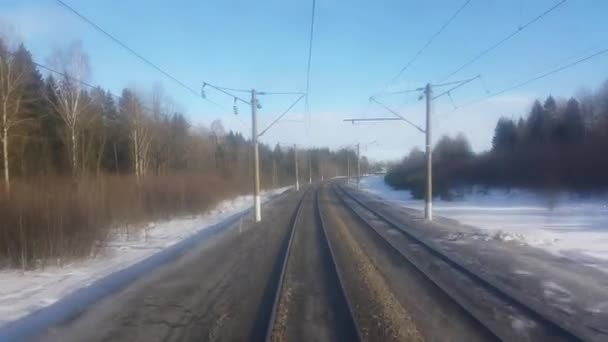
column 556, row 292
column 521, row 324
column 25, row 292
column 565, row 224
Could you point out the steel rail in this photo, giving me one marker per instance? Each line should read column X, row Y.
column 336, row 269
column 476, row 278
column 281, row 280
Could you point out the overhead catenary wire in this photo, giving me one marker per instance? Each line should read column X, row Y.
column 419, row 89
column 225, row 90
column 430, row 41
column 86, row 84
column 460, row 84
column 310, row 42
column 541, row 76
column 503, row 40
column 281, row 115
column 133, row 52
column 397, row 115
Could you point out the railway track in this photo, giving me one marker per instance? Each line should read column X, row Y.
column 310, row 302
column 506, row 317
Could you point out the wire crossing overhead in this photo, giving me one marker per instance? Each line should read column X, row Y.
column 129, row 49
column 49, row 69
column 310, row 41
column 536, row 78
column 282, row 115
column 504, row 40
column 458, row 85
column 308, row 64
column 86, row 84
column 394, row 112
column 430, row 41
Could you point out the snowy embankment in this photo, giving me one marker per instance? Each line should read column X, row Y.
column 567, row 225
column 22, row 293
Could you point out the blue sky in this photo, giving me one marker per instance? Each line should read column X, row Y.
column 359, row 46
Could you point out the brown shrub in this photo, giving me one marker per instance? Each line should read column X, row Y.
column 52, row 220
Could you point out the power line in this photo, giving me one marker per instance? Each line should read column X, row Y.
column 460, row 84
column 536, row 78
column 130, row 50
column 49, row 69
column 281, row 116
column 86, row 84
column 433, row 37
column 505, row 39
column 311, row 38
column 308, row 64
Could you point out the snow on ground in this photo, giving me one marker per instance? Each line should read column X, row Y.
column 569, row 225
column 22, row 293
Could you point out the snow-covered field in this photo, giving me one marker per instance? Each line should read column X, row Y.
column 22, row 293
column 569, row 225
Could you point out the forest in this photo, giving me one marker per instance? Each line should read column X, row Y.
column 559, row 145
column 79, row 162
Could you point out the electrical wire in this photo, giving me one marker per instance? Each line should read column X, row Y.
column 49, row 69
column 536, row 78
column 132, row 51
column 281, row 116
column 88, row 85
column 505, row 39
column 430, row 41
column 447, row 92
column 308, row 65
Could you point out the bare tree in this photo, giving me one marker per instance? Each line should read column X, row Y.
column 140, row 134
column 218, row 131
column 70, row 103
column 12, row 83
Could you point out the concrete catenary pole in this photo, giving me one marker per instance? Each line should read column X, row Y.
column 295, row 158
column 256, row 161
column 358, row 164
column 428, row 206
column 274, row 172
column 309, row 167
column 347, row 167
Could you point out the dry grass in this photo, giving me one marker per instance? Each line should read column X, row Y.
column 53, row 220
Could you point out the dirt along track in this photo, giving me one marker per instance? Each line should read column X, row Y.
column 216, row 292
column 319, row 267
column 310, row 303
column 497, row 312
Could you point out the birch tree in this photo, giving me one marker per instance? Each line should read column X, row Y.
column 139, row 126
column 70, row 103
column 12, row 83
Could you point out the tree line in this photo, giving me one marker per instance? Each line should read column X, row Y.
column 559, row 144
column 78, row 160
column 56, row 125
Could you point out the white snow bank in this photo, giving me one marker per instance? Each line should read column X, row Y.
column 22, row 293
column 569, row 225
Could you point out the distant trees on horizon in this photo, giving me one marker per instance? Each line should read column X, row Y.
column 560, row 144
column 79, row 162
